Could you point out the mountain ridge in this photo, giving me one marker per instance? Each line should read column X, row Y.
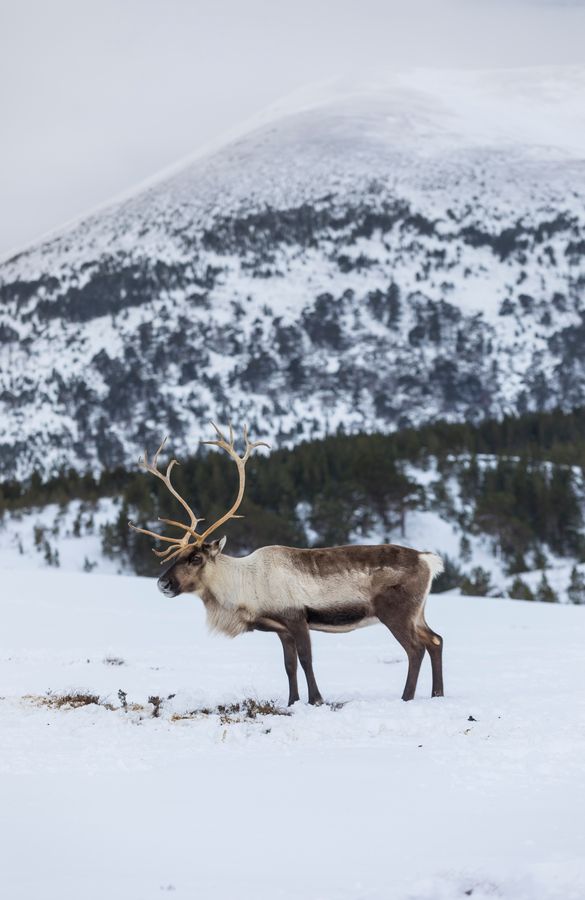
column 355, row 265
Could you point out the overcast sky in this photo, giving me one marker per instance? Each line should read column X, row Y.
column 96, row 95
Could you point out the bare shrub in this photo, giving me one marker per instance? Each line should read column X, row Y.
column 229, row 713
column 73, row 699
column 156, row 706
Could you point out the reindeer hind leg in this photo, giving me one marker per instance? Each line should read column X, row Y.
column 395, row 610
column 415, row 653
column 434, row 646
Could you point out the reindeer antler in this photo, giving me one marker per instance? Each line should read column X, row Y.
column 178, row 544
column 240, row 462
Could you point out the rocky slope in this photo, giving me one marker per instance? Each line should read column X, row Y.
column 365, row 258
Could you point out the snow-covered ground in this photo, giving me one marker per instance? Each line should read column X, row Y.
column 480, row 794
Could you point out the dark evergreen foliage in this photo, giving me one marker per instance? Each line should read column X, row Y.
column 544, row 591
column 329, row 489
column 477, row 584
column 450, row 577
column 576, row 590
column 520, row 590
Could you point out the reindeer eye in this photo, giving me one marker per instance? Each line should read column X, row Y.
column 195, row 560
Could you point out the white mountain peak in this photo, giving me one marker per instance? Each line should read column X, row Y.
column 367, row 254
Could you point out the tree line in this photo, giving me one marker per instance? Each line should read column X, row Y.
column 328, row 491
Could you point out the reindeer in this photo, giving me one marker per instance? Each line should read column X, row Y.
column 292, row 592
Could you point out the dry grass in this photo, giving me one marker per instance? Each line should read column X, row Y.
column 77, row 699
column 248, row 710
column 71, row 700
column 230, row 713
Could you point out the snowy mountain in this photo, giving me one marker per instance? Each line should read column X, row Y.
column 368, row 256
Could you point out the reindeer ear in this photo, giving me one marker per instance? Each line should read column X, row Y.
column 216, row 547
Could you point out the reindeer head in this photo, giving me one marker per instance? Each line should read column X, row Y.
column 190, row 554
column 186, row 574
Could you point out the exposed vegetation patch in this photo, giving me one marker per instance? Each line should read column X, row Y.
column 70, row 700
column 246, row 710
column 79, row 699
column 229, row 713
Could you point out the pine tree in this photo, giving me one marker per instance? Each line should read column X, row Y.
column 520, row 590
column 449, row 578
column 544, row 591
column 576, row 589
column 539, row 561
column 478, row 583
column 465, row 549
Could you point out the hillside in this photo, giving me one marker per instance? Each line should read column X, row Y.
column 502, row 502
column 372, row 256
column 201, row 800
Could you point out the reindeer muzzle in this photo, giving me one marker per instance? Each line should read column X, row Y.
column 167, row 586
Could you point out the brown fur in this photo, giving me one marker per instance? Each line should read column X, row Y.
column 346, row 559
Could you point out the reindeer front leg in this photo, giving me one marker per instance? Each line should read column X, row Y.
column 302, row 638
column 290, row 664
column 290, row 652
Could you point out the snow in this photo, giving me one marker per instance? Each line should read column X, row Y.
column 71, row 532
column 537, row 105
column 376, row 799
column 558, row 575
